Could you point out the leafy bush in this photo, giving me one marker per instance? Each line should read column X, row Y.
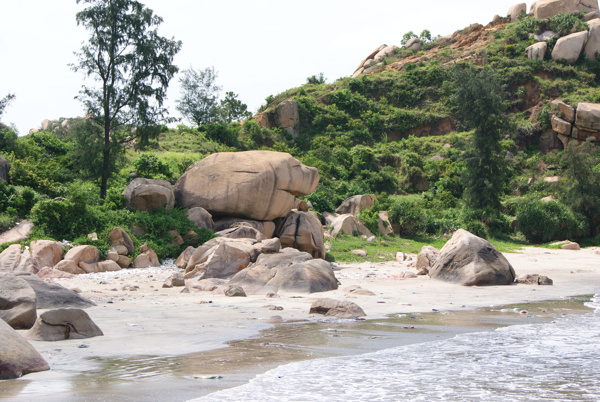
column 149, row 166
column 66, row 219
column 541, row 221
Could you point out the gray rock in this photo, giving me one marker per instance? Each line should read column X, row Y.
column 592, row 46
column 335, row 308
column 426, row 258
column 567, row 111
column 534, row 279
column 52, row 295
column 220, row 258
column 287, row 271
column 63, row 323
column 235, row 291
column 355, row 204
column 471, row 261
column 17, row 356
column 560, row 126
column 201, row 218
column 175, row 280
column 588, row 116
column 517, row 10
column 17, row 302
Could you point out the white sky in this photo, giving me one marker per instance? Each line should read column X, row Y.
column 258, row 47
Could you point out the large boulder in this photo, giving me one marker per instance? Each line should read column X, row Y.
column 220, row 258
column 84, row 253
column 257, row 185
column 568, row 48
column 52, row 295
column 302, row 231
column 63, row 323
column 427, row 258
column 471, row 261
column 588, row 116
column 17, row 302
column 266, row 228
column 355, row 204
column 592, row 46
column 517, row 10
column 4, row 169
column 46, row 253
column 349, row 225
column 149, row 195
column 335, row 308
column 287, row 271
column 549, row 8
column 17, row 356
column 242, row 230
column 201, row 218
column 537, row 51
column 10, row 258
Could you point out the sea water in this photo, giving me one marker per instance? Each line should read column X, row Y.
column 556, row 361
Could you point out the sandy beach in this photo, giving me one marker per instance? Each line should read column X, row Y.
column 150, row 330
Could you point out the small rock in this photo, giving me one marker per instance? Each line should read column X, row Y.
column 359, row 253
column 571, row 246
column 235, row 291
column 335, row 308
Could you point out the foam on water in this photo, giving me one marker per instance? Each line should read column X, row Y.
column 557, row 361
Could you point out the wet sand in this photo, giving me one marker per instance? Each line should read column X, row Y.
column 161, row 344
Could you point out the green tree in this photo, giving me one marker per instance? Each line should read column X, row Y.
column 132, row 65
column 232, row 109
column 479, row 100
column 199, row 96
column 581, row 189
column 316, row 79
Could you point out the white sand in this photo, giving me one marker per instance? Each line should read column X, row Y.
column 157, row 321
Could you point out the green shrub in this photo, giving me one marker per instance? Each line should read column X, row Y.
column 66, row 220
column 149, row 166
column 541, row 221
column 408, row 212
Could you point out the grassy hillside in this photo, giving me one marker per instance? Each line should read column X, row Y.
column 394, row 131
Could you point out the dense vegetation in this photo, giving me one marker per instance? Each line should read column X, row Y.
column 410, row 132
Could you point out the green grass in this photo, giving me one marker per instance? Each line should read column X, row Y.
column 385, row 248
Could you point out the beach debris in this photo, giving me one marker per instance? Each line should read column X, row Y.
column 534, row 279
column 83, row 346
column 235, row 291
column 469, row 260
column 63, row 323
column 207, row 377
column 335, row 308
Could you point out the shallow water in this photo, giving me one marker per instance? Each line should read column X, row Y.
column 553, row 361
column 183, row 377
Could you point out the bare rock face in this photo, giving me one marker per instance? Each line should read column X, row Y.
column 471, row 261
column 17, row 302
column 355, row 204
column 17, row 356
column 592, row 47
column 302, row 231
column 258, row 185
column 52, row 295
column 63, row 323
column 201, row 218
column 568, row 48
column 335, row 308
column 287, row 271
column 287, row 117
column 149, row 195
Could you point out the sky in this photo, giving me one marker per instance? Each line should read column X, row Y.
column 258, row 47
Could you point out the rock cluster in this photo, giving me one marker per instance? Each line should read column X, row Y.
column 570, row 124
column 375, row 58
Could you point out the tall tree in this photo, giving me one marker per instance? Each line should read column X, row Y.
column 132, row 66
column 479, row 100
column 232, row 109
column 199, row 95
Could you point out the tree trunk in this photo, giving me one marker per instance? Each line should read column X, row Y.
column 105, row 162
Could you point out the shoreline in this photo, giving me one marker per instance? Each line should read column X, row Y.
column 154, row 336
